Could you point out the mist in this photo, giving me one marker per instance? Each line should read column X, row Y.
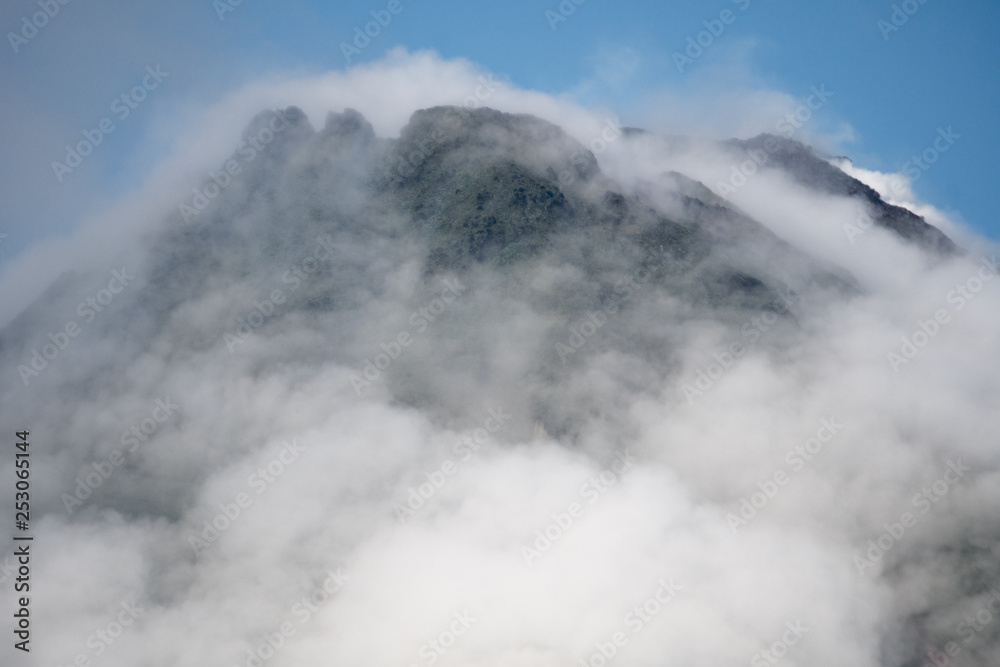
column 330, row 401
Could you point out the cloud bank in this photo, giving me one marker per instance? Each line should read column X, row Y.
column 298, row 426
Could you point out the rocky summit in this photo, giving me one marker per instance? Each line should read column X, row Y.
column 451, row 324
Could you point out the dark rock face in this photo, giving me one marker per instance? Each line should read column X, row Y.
column 482, row 195
column 488, row 187
column 480, row 184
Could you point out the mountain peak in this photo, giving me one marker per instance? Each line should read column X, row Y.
column 806, row 167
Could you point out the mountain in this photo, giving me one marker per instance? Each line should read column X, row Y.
column 806, row 167
column 462, row 192
column 488, row 198
column 378, row 298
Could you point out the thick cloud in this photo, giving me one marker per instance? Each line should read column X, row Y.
column 344, row 411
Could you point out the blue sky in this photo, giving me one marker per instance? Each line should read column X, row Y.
column 938, row 70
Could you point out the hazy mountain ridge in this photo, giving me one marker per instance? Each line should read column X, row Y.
column 581, row 305
column 806, row 167
column 470, row 194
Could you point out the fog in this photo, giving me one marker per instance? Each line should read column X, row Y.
column 580, row 454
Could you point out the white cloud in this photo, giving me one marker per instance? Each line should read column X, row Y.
column 333, row 507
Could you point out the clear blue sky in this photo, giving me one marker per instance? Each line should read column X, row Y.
column 939, row 69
